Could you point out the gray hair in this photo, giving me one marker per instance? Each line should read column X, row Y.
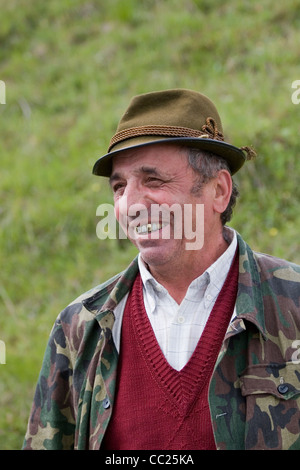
column 207, row 165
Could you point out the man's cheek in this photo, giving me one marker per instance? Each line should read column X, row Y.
column 122, row 221
column 117, row 212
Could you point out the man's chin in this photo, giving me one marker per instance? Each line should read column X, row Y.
column 156, row 252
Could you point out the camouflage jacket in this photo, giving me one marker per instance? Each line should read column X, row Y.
column 255, row 387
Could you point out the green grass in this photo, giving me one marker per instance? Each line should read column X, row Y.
column 70, row 68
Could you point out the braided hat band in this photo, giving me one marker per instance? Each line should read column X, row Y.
column 208, row 131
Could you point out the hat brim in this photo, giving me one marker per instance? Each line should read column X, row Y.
column 234, row 156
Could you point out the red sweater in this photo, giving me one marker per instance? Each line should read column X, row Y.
column 157, row 407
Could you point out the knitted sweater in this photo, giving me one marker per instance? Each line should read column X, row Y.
column 157, row 407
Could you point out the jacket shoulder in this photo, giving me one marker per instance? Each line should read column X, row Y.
column 82, row 303
column 280, row 290
column 104, row 296
column 279, row 268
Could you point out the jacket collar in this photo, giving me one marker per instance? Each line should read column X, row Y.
column 249, row 302
column 109, row 294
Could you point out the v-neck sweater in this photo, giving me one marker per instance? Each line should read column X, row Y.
column 157, row 407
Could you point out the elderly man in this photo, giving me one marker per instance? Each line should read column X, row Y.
column 192, row 346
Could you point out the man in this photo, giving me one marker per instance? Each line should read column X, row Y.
column 196, row 344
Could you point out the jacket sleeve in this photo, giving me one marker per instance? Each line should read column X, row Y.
column 52, row 419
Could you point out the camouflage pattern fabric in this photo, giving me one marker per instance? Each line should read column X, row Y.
column 255, row 388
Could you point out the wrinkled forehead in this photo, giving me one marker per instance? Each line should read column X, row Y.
column 163, row 156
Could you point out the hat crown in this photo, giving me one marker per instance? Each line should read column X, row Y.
column 174, row 108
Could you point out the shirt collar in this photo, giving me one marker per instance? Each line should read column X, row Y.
column 213, row 278
column 149, row 282
column 219, row 269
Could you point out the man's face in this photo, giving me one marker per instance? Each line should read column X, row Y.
column 158, row 176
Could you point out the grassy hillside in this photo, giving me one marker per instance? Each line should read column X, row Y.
column 70, row 68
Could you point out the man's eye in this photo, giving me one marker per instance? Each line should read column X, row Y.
column 154, row 180
column 118, row 187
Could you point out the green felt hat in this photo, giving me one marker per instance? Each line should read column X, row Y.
column 179, row 116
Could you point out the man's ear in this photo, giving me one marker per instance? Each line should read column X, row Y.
column 223, row 189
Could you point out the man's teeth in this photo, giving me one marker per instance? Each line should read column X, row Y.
column 148, row 228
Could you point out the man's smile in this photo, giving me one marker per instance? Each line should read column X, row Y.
column 149, row 228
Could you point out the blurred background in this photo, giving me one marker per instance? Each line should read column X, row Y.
column 70, row 68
